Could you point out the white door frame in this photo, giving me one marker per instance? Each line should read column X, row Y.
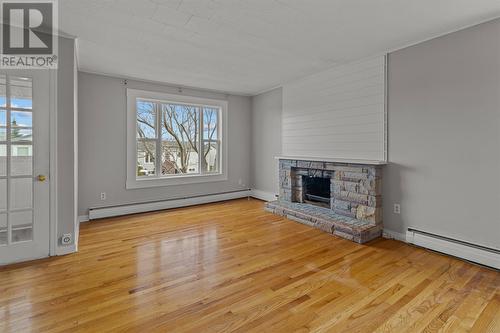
column 53, row 237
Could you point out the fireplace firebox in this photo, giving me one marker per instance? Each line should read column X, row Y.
column 316, row 191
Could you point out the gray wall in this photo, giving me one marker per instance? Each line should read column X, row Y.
column 444, row 136
column 66, row 141
column 102, row 144
column 266, row 140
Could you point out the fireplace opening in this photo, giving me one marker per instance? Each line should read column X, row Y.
column 316, row 191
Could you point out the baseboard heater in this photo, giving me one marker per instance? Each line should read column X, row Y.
column 465, row 250
column 102, row 212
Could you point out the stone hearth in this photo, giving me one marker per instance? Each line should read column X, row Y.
column 355, row 208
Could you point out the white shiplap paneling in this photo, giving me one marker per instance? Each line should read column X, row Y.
column 338, row 113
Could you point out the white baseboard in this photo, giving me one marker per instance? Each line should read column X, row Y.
column 455, row 248
column 98, row 213
column 83, row 218
column 63, row 250
column 389, row 234
column 262, row 195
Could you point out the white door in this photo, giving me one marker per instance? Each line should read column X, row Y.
column 24, row 165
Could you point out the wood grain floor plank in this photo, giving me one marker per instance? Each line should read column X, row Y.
column 232, row 267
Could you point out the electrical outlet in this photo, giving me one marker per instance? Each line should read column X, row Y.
column 103, row 195
column 397, row 209
column 66, row 239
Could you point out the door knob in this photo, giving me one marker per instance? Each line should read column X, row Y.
column 41, row 178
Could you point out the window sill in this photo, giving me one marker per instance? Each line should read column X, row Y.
column 174, row 180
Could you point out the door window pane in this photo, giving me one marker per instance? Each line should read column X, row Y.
column 21, row 93
column 146, row 119
column 21, row 193
column 21, row 160
column 3, row 90
column 3, row 229
column 21, row 119
column 3, row 194
column 146, row 156
column 3, row 160
column 21, row 134
column 22, row 226
column 22, row 234
column 3, row 95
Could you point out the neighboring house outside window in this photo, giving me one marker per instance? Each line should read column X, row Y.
column 22, row 151
column 174, row 139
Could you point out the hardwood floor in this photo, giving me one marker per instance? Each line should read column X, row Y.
column 231, row 267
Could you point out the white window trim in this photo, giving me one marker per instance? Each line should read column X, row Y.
column 132, row 181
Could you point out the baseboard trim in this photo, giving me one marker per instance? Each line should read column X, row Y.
column 389, row 234
column 64, row 250
column 83, row 218
column 98, row 213
column 263, row 195
column 470, row 252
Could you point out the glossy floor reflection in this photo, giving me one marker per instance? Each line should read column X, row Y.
column 230, row 267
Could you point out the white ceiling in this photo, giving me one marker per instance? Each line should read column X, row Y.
column 249, row 46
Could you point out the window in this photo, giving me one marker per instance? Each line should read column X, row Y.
column 176, row 139
column 22, row 151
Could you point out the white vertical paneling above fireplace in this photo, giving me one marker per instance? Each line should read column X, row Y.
column 338, row 113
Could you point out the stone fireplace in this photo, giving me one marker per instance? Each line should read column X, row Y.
column 344, row 199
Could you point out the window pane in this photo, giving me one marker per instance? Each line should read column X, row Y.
column 20, row 193
column 3, row 160
column 210, row 123
column 21, row 134
column 3, row 194
column 21, row 119
column 146, row 154
column 3, row 97
column 20, row 93
column 3, row 229
column 22, row 226
column 211, row 156
column 3, row 117
column 3, row 134
column 21, row 160
column 178, row 160
column 180, row 137
column 22, row 234
column 146, row 119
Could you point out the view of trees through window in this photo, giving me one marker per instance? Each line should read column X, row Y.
column 176, row 139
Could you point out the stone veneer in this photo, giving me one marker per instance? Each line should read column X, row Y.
column 355, row 211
